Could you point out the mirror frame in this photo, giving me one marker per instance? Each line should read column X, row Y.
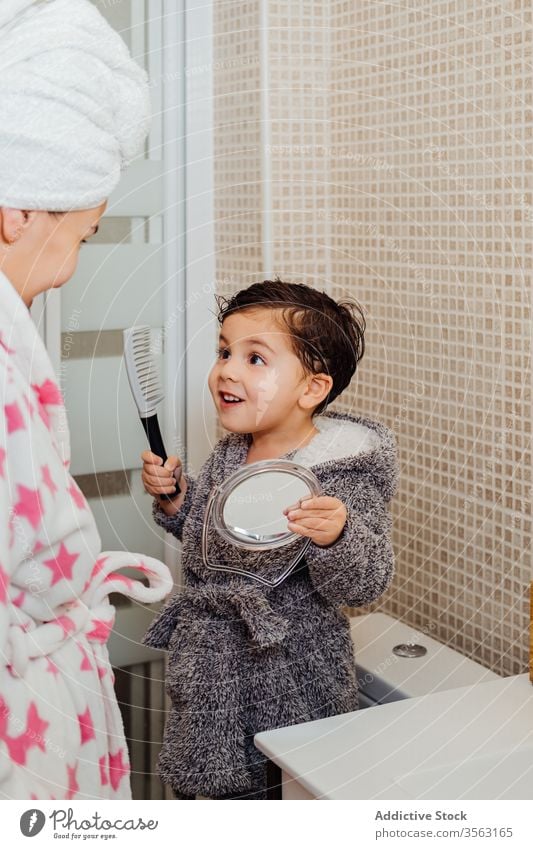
column 218, row 498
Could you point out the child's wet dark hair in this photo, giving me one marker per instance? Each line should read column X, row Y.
column 327, row 335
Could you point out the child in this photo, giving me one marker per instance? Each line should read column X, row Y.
column 243, row 657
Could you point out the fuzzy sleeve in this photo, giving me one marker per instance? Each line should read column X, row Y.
column 174, row 524
column 199, row 485
column 358, row 567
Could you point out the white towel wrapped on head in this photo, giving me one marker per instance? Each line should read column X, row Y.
column 74, row 105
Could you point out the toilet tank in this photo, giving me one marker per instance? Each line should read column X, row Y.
column 384, row 676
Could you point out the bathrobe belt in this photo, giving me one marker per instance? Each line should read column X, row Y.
column 247, row 603
column 25, row 641
column 30, row 634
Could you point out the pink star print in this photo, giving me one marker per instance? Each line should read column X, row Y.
column 86, row 726
column 5, row 346
column 52, row 668
column 36, row 726
column 98, row 566
column 2, row 460
column 47, row 478
column 4, row 583
column 18, row 601
column 29, row 505
column 73, row 786
column 101, row 631
column 33, row 735
column 142, row 568
column 66, row 623
column 117, row 769
column 103, row 771
column 48, row 392
column 77, row 497
column 61, row 565
column 14, row 418
column 85, row 664
column 117, row 576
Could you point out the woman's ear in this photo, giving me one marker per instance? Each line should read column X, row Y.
column 14, row 222
column 317, row 387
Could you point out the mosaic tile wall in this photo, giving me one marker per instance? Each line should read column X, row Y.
column 237, row 139
column 400, row 174
column 299, row 93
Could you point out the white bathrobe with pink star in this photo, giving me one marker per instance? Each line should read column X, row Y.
column 61, row 732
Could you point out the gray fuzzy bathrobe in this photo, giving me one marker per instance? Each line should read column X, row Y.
column 244, row 658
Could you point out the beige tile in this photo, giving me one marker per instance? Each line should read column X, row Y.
column 401, row 175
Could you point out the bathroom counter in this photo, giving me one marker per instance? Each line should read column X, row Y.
column 472, row 742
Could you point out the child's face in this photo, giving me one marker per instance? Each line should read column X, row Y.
column 256, row 363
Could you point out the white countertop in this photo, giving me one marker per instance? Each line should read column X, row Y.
column 477, row 740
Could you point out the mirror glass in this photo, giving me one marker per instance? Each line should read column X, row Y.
column 253, row 510
column 247, row 511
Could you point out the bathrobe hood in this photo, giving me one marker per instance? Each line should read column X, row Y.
column 352, row 444
column 346, row 444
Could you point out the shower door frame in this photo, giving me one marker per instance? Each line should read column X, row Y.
column 187, row 229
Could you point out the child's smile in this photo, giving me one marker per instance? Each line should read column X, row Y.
column 228, row 399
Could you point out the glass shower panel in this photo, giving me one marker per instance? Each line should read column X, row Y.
column 123, row 278
column 119, row 282
column 108, row 436
column 115, row 286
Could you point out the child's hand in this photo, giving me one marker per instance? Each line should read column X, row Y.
column 158, row 479
column 322, row 518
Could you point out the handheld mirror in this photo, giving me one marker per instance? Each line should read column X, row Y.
column 247, row 511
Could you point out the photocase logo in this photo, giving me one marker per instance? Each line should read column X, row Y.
column 32, row 822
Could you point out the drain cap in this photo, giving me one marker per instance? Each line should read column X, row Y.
column 409, row 650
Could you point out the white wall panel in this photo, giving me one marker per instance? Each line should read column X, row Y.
column 139, row 191
column 115, row 286
column 105, row 430
column 124, row 645
column 125, row 521
column 201, row 326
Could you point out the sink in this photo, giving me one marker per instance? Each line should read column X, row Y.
column 499, row 775
column 473, row 742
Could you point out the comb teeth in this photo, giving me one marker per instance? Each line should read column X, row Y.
column 142, row 374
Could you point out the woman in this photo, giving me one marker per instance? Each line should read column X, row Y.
column 74, row 109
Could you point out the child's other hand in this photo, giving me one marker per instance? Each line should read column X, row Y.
column 159, row 479
column 322, row 518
